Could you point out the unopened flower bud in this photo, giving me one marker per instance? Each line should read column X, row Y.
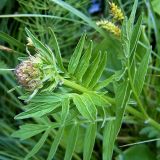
column 28, row 75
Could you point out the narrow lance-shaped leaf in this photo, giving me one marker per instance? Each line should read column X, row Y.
column 89, row 141
column 37, row 111
column 133, row 14
column 55, row 144
column 74, row 61
column 99, row 70
column 99, row 99
column 87, row 100
column 57, row 50
column 117, row 76
column 65, row 110
column 141, row 72
column 108, row 143
column 73, row 135
column 84, row 62
column 126, row 33
column 44, row 51
column 136, row 35
column 41, row 98
column 39, row 144
column 112, row 127
column 91, row 70
column 25, row 131
column 83, row 108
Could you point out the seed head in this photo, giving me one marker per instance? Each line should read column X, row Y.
column 109, row 26
column 116, row 12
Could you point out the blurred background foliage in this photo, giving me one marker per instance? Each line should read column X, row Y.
column 37, row 16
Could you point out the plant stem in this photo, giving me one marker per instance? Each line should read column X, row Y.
column 73, row 85
column 129, row 109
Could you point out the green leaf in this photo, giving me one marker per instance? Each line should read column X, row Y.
column 99, row 99
column 43, row 50
column 133, row 14
column 89, row 141
column 85, row 107
column 37, row 111
column 136, row 35
column 141, row 72
column 84, row 63
column 112, row 127
column 137, row 152
column 55, row 143
column 87, row 100
column 156, row 6
column 71, row 142
column 91, row 70
column 57, row 50
column 74, row 61
column 45, row 98
column 115, row 77
column 65, row 110
column 37, row 147
column 108, row 136
column 126, row 33
column 99, row 71
column 29, row 130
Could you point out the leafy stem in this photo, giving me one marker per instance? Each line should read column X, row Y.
column 135, row 94
column 73, row 85
column 144, row 116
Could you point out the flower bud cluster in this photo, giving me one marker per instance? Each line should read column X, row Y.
column 29, row 74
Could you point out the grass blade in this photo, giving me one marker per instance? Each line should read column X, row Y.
column 79, row 14
column 10, row 40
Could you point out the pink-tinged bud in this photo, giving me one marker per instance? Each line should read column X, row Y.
column 28, row 74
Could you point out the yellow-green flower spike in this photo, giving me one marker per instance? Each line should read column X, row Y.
column 116, row 11
column 109, row 26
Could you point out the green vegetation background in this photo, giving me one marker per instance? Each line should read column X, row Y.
column 68, row 25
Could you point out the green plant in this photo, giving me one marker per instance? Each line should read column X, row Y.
column 78, row 98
